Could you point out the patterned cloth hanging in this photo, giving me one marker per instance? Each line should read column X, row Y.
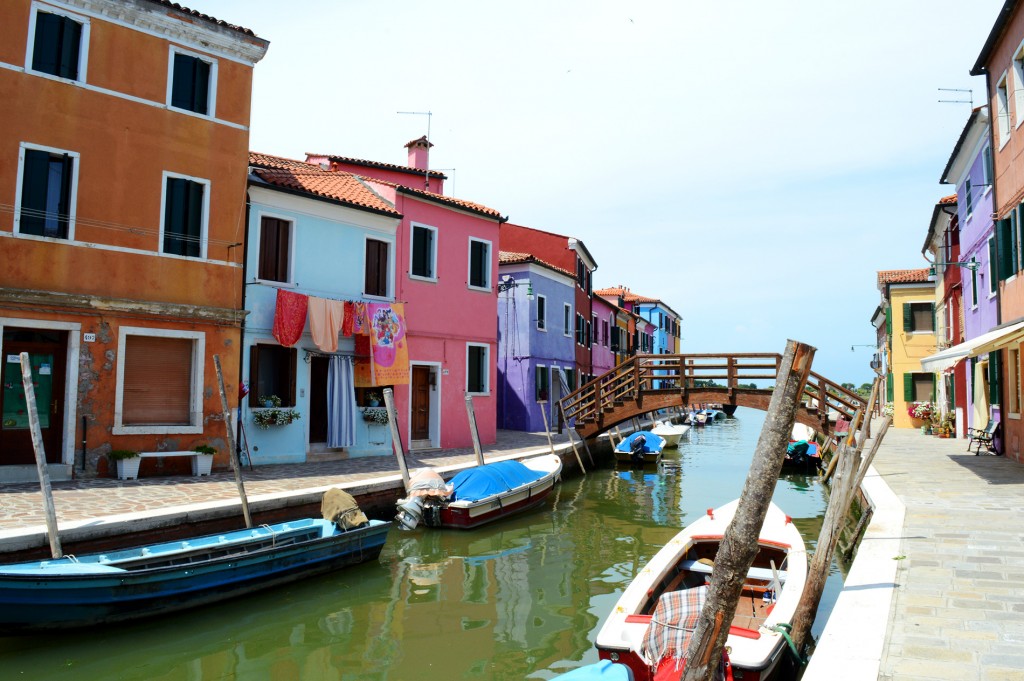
column 289, row 317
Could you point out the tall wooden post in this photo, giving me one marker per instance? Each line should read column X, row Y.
column 739, row 545
column 473, row 431
column 40, row 452
column 232, row 452
column 396, row 441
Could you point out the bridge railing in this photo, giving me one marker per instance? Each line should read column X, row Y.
column 661, row 374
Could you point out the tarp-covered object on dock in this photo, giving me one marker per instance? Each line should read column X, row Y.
column 481, row 482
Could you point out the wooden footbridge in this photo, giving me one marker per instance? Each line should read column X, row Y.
column 647, row 383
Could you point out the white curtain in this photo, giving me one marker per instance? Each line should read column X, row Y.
column 980, row 396
column 341, row 402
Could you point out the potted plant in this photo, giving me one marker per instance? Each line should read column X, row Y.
column 127, row 462
column 372, row 399
column 203, row 463
column 270, row 401
column 377, row 415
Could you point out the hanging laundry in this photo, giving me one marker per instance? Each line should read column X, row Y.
column 350, row 318
column 360, row 324
column 389, row 349
column 289, row 317
column 363, row 364
column 325, row 320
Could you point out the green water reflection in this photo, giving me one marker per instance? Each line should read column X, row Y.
column 521, row 599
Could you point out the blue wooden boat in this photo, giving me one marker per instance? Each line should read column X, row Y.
column 86, row 590
column 650, row 452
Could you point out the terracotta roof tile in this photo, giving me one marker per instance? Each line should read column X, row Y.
column 915, row 276
column 333, row 158
column 204, row 17
column 948, row 199
column 442, row 199
column 513, row 258
column 311, row 179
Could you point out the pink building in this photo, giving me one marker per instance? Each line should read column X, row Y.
column 604, row 326
column 443, row 265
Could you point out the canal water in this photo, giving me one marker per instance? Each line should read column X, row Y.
column 521, row 599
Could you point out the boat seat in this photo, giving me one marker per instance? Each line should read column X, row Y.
column 752, row 573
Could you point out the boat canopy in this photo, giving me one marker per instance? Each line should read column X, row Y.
column 481, row 482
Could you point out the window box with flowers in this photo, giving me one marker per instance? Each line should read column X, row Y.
column 376, row 415
column 273, row 414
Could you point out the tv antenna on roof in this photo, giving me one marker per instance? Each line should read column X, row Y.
column 970, row 94
column 428, row 114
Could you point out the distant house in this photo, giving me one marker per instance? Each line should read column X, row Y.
column 536, row 341
column 442, row 266
column 1001, row 62
column 124, row 148
column 307, row 232
column 605, row 328
column 908, row 303
column 570, row 254
column 663, row 323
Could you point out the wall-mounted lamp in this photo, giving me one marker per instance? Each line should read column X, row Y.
column 971, row 264
column 862, row 346
column 508, row 282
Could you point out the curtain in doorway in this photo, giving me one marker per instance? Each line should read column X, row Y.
column 341, row 402
column 980, row 395
column 563, row 385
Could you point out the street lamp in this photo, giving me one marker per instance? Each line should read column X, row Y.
column 971, row 264
column 508, row 282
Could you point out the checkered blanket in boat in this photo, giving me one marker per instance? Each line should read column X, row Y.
column 673, row 622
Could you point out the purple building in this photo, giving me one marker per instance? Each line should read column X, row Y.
column 536, row 341
column 970, row 169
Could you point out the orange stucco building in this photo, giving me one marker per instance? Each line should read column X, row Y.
column 122, row 216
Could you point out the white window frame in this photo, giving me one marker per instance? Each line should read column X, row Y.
column 545, row 370
column 1003, row 111
column 542, row 320
column 18, row 189
column 205, row 231
column 1018, row 85
column 83, row 45
column 413, row 226
column 567, row 321
column 259, row 241
column 993, row 285
column 487, row 368
column 211, row 96
column 469, row 265
column 974, row 288
column 968, row 199
column 391, row 267
column 198, row 369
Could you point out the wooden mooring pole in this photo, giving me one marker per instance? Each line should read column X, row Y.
column 851, row 472
column 232, row 452
column 40, row 452
column 471, row 415
column 739, row 545
column 396, row 441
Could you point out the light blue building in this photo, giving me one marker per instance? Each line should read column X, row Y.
column 318, row 234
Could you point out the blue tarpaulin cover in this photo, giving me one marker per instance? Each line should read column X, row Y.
column 654, row 443
column 478, row 483
column 604, row 670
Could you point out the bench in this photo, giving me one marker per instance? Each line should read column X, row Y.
column 754, row 572
column 200, row 462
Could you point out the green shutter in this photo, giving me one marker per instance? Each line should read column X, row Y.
column 935, row 326
column 994, row 376
column 908, row 318
column 888, row 322
column 889, row 387
column 1012, row 238
column 908, row 388
column 934, row 391
column 993, row 269
column 1004, row 239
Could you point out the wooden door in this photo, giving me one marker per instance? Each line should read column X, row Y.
column 420, row 403
column 318, row 399
column 47, row 351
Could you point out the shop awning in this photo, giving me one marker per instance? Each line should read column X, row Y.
column 986, row 342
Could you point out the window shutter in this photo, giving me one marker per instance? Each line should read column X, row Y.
column 1011, row 237
column 1003, row 248
column 420, row 260
column 194, row 219
column 254, row 375
column 908, row 388
column 70, row 38
column 183, row 84
column 992, row 266
column 888, row 321
column 47, row 43
column 994, row 376
column 889, row 387
column 174, row 217
column 157, row 384
column 935, row 326
column 201, row 86
column 35, row 180
column 908, row 318
column 934, row 392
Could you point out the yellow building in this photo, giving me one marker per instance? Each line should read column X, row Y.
column 908, row 299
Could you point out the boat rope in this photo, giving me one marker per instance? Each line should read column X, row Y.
column 785, row 629
column 273, row 535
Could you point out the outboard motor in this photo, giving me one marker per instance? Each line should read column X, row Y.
column 797, row 451
column 636, row 448
column 410, row 512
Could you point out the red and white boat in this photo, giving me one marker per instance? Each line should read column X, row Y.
column 680, row 571
column 478, row 495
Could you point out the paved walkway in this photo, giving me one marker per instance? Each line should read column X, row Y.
column 937, row 589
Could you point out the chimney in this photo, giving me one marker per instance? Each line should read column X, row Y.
column 419, row 153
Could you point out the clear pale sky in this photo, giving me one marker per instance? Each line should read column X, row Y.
column 753, row 164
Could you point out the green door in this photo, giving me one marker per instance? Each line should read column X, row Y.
column 47, row 351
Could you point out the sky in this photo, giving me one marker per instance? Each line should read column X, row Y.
column 752, row 163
